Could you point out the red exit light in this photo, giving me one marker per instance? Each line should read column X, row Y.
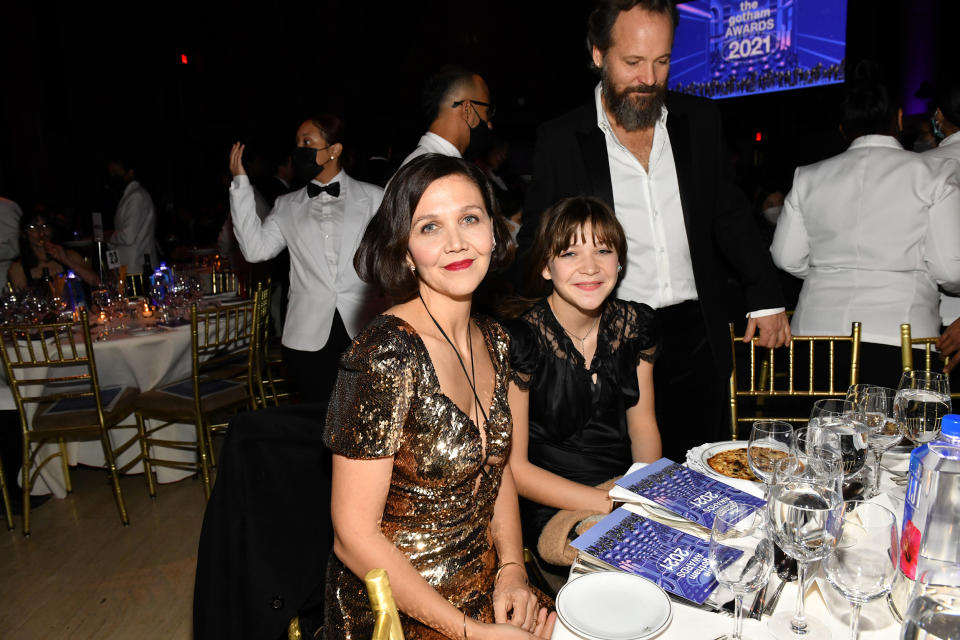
column 183, row 60
column 759, row 136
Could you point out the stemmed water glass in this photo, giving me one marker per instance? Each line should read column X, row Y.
column 840, row 417
column 923, row 398
column 741, row 554
column 864, row 563
column 878, row 410
column 804, row 512
column 767, row 438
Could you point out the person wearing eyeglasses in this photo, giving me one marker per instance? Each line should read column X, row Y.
column 456, row 103
column 37, row 253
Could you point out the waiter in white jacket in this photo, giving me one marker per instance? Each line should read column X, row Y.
column 321, row 224
column 872, row 232
column 135, row 220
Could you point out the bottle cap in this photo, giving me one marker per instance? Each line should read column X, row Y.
column 950, row 425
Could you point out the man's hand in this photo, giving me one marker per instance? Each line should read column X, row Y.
column 236, row 159
column 774, row 330
column 949, row 344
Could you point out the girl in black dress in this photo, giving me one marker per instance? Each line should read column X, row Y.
column 582, row 390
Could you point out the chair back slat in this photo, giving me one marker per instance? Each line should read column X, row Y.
column 908, row 343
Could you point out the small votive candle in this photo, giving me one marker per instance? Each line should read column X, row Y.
column 103, row 317
column 147, row 311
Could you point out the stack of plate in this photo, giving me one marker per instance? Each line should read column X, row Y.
column 610, row 605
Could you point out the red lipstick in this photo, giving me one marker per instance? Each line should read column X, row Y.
column 460, row 265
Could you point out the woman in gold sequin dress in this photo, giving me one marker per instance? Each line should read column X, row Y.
column 420, row 426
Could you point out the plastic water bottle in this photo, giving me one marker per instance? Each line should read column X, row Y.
column 933, row 498
column 73, row 289
column 167, row 273
column 934, row 609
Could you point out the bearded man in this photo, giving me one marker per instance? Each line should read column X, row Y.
column 656, row 157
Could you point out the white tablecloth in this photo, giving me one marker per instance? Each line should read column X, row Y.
column 822, row 601
column 144, row 361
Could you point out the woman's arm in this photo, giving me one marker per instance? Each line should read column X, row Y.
column 538, row 484
column 259, row 240
column 16, row 275
column 642, row 420
column 70, row 259
column 358, row 496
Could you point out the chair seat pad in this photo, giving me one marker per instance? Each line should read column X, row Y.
column 164, row 404
column 86, row 419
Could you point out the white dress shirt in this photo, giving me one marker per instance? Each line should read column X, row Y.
column 872, row 231
column 10, row 215
column 133, row 225
column 659, row 270
column 432, row 143
column 949, row 147
column 315, row 231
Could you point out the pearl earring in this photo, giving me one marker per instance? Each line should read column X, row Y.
column 413, row 268
column 619, row 268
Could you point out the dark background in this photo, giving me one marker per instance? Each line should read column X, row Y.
column 80, row 79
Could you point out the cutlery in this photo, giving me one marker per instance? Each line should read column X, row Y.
column 786, row 572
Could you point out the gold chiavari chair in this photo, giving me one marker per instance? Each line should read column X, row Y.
column 224, row 282
column 930, row 357
column 262, row 336
column 777, row 386
column 53, row 378
column 223, row 354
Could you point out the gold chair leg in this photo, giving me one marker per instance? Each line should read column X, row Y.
column 114, row 478
column 202, row 452
column 145, row 454
column 26, row 487
column 64, row 463
column 8, row 511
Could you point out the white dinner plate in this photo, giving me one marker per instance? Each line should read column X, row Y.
column 141, row 331
column 611, row 605
column 715, row 448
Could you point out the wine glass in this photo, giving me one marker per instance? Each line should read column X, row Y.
column 840, row 416
column 922, row 399
column 864, row 563
column 877, row 408
column 741, row 554
column 804, row 519
column 767, row 437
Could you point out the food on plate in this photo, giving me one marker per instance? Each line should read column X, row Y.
column 734, row 463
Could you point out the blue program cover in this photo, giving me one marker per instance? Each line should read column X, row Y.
column 684, row 491
column 677, row 561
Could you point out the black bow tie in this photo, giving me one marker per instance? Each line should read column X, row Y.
column 314, row 189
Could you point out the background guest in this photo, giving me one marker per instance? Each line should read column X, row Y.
column 321, row 225
column 10, row 215
column 135, row 220
column 38, row 252
column 872, row 232
column 582, row 394
column 456, row 103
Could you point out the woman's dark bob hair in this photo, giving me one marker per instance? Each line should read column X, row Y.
column 561, row 226
column 381, row 259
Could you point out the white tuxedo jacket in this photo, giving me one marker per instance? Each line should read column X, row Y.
column 872, row 232
column 314, row 292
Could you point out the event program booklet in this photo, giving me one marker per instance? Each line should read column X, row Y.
column 677, row 561
column 684, row 491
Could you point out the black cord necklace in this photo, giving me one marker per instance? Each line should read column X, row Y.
column 478, row 406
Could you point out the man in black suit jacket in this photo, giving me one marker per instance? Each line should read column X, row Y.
column 645, row 146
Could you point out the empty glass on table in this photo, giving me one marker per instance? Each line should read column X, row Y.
column 770, row 440
column 840, row 417
column 864, row 563
column 741, row 555
column 878, row 410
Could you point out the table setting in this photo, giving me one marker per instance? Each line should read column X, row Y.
column 859, row 506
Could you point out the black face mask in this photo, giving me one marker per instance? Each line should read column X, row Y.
column 305, row 162
column 481, row 140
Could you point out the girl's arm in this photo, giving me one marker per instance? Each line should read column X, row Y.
column 642, row 420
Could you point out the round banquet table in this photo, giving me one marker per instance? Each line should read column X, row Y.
column 822, row 601
column 144, row 357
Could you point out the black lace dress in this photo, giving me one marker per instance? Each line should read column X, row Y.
column 578, row 426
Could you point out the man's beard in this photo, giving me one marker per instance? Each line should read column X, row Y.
column 630, row 114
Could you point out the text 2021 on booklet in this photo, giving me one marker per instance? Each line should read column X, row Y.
column 677, row 561
column 686, row 492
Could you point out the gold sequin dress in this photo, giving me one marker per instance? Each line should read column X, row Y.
column 388, row 402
